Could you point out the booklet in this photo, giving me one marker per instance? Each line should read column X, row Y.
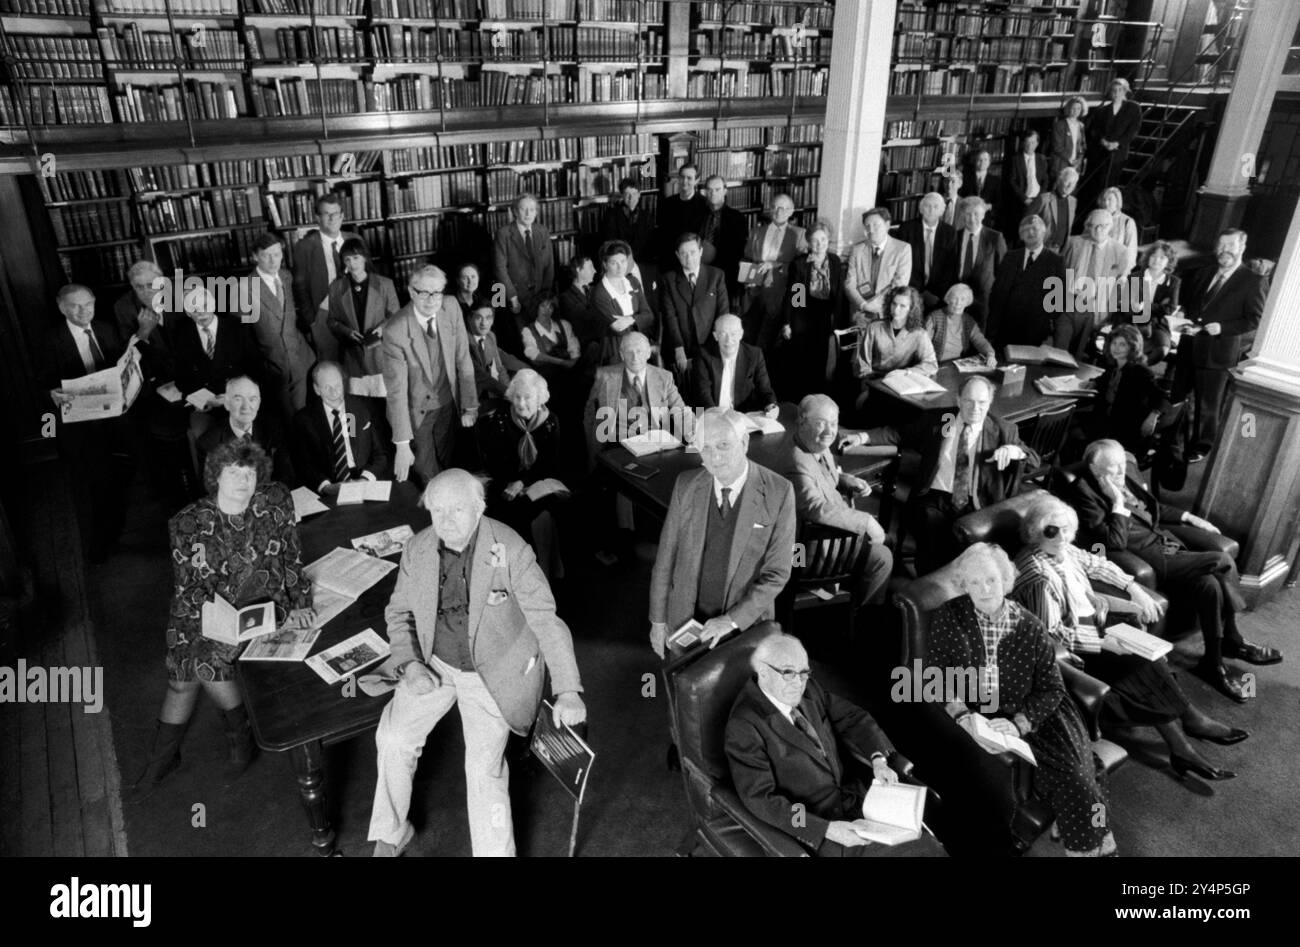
column 907, row 382
column 169, row 392
column 1064, row 386
column 348, row 572
column 545, row 488
column 756, row 422
column 229, row 625
column 358, row 491
column 288, row 645
column 368, row 386
column 748, row 273
column 202, row 399
column 306, row 503
column 651, row 442
column 996, row 742
column 1136, row 641
column 893, row 814
column 564, row 754
column 386, row 542
column 347, row 657
column 1040, row 355
column 687, row 635
column 103, row 394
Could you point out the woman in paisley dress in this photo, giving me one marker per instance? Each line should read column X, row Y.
column 239, row 542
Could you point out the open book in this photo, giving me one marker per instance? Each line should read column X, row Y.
column 229, row 625
column 288, row 645
column 892, row 815
column 651, row 442
column 907, row 382
column 1040, row 355
column 971, row 365
column 386, row 542
column 993, row 741
column 1136, row 641
column 545, row 488
column 348, row 657
column 756, row 422
column 1064, row 386
column 357, row 491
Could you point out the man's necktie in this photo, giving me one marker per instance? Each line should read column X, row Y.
column 338, row 260
column 340, row 448
column 96, row 353
column 1030, row 258
column 429, row 330
column 1214, row 286
column 726, row 500
column 961, row 493
column 690, row 278
column 929, row 252
column 639, row 387
column 968, row 258
column 875, row 269
column 528, row 242
column 806, row 728
column 209, row 343
column 277, row 288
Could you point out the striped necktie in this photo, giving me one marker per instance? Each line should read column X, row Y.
column 209, row 343
column 340, row 447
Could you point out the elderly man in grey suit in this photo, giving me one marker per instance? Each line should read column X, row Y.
column 472, row 622
column 876, row 265
column 633, row 398
column 287, row 355
column 428, row 375
column 1094, row 265
column 727, row 544
column 523, row 259
column 818, row 485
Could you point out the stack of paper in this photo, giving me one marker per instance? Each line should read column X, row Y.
column 651, row 442
column 893, row 814
column 357, row 491
column 1136, row 641
column 305, row 503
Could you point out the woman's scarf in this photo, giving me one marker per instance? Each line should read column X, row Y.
column 527, row 446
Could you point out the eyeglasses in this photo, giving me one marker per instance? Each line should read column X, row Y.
column 790, row 675
column 426, row 293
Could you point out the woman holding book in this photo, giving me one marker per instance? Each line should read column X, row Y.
column 521, row 450
column 619, row 300
column 1129, row 402
column 360, row 302
column 239, row 542
column 1054, row 584
column 1020, row 691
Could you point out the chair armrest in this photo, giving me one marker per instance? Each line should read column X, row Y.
column 1202, row 540
column 773, row 841
column 899, row 763
column 1134, row 566
column 1088, row 692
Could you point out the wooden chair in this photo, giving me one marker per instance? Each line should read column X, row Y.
column 1046, row 436
column 825, row 561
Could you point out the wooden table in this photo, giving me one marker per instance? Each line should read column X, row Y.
column 291, row 709
column 1027, row 403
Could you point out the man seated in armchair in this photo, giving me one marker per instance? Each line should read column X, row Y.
column 786, row 741
column 1118, row 512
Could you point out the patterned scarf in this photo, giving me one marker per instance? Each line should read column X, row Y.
column 527, row 446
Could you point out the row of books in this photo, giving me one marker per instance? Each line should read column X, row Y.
column 299, row 45
column 629, row 11
column 979, row 80
column 738, row 165
column 906, row 184
column 1010, row 24
column 360, row 200
column 316, row 166
column 189, row 7
column 55, row 57
column 216, row 208
column 86, row 185
column 947, row 127
column 306, row 7
column 163, row 103
column 934, row 18
column 763, row 46
column 100, row 266
column 730, row 84
column 757, row 137
column 231, row 251
column 55, row 105
column 803, row 192
column 60, row 7
column 767, row 14
column 432, row 191
column 289, row 96
column 179, row 177
column 92, row 223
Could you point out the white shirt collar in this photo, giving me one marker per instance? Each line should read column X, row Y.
column 78, row 332
column 524, row 228
column 425, row 320
column 1227, row 274
column 632, row 377
column 329, row 412
column 735, row 486
column 210, row 327
column 238, row 432
column 787, row 710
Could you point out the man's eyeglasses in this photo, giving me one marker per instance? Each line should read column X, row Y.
column 426, row 293
column 790, row 675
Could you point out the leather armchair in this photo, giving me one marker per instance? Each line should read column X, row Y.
column 701, row 687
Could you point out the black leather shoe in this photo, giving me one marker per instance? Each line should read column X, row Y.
column 1223, row 681
column 1235, row 735
column 1196, row 456
column 1251, row 653
column 1182, row 766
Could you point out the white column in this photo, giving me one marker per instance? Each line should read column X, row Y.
column 1259, row 67
column 1275, row 357
column 855, row 114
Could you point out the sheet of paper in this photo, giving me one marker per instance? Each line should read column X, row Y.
column 306, row 503
column 169, row 392
column 350, row 492
column 545, row 488
column 758, row 422
column 328, row 604
column 202, row 399
column 347, row 571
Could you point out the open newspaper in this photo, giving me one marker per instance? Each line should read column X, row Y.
column 340, row 577
column 107, row 393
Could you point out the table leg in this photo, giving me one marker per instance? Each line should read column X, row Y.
column 309, row 767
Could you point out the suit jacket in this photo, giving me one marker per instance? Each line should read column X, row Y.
column 727, row 248
column 607, row 310
column 381, row 302
column 817, row 490
column 1137, row 395
column 1058, row 231
column 689, row 315
column 1123, row 128
column 943, row 259
column 989, row 253
column 236, row 353
column 524, row 274
column 895, row 270
column 311, row 278
column 1114, row 265
column 1018, row 185
column 751, row 390
column 1064, row 153
column 266, row 433
column 575, row 308
column 762, row 549
column 408, row 374
column 312, row 443
column 486, row 359
column 1018, row 308
column 990, row 193
column 637, row 230
column 1098, row 524
column 284, row 349
column 676, row 217
column 157, row 353
column 1237, row 306
column 607, row 412
column 775, row 766
column 991, row 485
column 514, row 633
column 60, row 357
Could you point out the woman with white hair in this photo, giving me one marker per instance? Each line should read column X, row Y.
column 1055, row 585
column 1021, row 691
column 1123, row 229
column 954, row 333
column 521, row 450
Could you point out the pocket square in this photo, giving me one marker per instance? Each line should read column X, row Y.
column 497, row 596
column 760, row 526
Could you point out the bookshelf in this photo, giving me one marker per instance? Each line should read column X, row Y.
column 1117, row 39
column 759, row 163
column 759, row 50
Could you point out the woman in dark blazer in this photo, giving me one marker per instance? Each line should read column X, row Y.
column 814, row 309
column 620, row 302
column 1129, row 402
column 1112, row 128
column 1069, row 141
column 1154, row 299
column 360, row 302
column 521, row 448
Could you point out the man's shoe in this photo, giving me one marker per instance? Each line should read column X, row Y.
column 389, row 850
column 1251, row 653
column 1197, row 455
column 1216, row 674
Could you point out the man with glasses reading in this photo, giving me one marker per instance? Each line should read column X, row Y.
column 429, row 376
column 791, row 747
